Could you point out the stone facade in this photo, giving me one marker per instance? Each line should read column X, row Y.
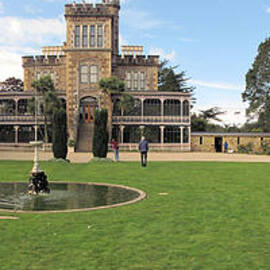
column 214, row 142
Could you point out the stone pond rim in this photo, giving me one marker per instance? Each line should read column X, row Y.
column 141, row 196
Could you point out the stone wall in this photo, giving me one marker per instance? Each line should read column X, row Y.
column 40, row 64
column 208, row 142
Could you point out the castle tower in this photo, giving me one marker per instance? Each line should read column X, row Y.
column 91, row 42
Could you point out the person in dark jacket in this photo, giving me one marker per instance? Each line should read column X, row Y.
column 143, row 148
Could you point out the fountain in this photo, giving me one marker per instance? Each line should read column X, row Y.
column 38, row 179
column 63, row 196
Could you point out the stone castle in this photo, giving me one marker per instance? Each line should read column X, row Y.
column 90, row 53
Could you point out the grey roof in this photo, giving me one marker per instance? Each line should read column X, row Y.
column 235, row 134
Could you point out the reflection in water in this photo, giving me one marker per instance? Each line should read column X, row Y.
column 13, row 196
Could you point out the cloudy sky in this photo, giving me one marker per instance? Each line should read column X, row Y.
column 214, row 41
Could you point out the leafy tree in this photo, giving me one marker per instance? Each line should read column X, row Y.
column 59, row 128
column 212, row 114
column 170, row 80
column 101, row 136
column 109, row 87
column 126, row 103
column 12, row 84
column 48, row 99
column 202, row 121
column 198, row 123
column 257, row 92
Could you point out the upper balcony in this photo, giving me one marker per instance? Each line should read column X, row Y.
column 153, row 109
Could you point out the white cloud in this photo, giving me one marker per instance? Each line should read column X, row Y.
column 218, row 85
column 1, row 8
column 235, row 115
column 20, row 36
column 11, row 65
column 171, row 56
column 268, row 10
column 16, row 30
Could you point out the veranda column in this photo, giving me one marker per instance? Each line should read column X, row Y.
column 142, row 111
column 162, row 107
column 162, row 134
column 122, row 134
column 189, row 137
column 181, row 137
column 16, row 134
column 16, row 113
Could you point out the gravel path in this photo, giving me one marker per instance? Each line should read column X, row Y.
column 126, row 156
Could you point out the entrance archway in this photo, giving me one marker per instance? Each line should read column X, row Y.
column 88, row 106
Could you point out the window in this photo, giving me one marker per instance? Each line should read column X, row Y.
column 77, row 36
column 238, row 140
column 85, row 36
column 93, row 74
column 40, row 74
column 142, row 81
column 172, row 135
column 92, row 36
column 128, row 79
column 135, row 80
column 185, row 108
column 84, row 74
column 100, row 36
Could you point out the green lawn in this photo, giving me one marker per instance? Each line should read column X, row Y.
column 216, row 216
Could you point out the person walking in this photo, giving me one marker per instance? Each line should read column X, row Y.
column 143, row 148
column 115, row 148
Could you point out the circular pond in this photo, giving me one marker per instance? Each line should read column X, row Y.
column 66, row 197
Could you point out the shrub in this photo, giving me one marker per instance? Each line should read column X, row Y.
column 101, row 136
column 59, row 134
column 266, row 148
column 245, row 149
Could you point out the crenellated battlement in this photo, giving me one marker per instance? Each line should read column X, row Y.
column 139, row 60
column 106, row 8
column 42, row 60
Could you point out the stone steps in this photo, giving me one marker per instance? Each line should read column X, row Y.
column 85, row 137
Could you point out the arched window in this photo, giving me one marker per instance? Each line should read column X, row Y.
column 172, row 135
column 185, row 108
column 22, row 106
column 116, row 108
column 7, row 107
column 84, row 74
column 136, row 110
column 172, row 107
column 152, row 107
column 186, row 135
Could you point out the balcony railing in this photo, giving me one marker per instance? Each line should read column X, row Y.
column 20, row 118
column 151, row 119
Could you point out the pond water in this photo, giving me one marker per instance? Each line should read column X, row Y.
column 65, row 196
